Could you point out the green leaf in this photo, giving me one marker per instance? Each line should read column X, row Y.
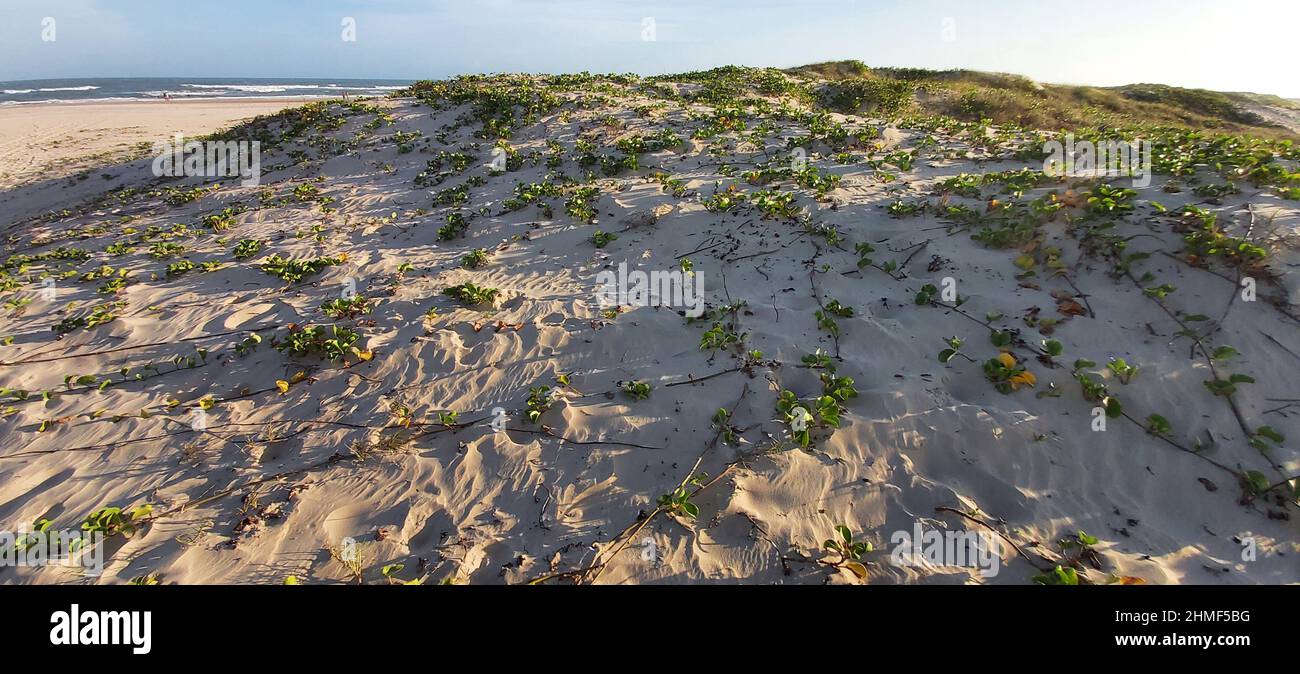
column 1268, row 432
column 1256, row 481
column 1158, row 424
column 857, row 568
column 1224, row 352
column 1058, row 576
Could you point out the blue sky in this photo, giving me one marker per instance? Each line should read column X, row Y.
column 1225, row 45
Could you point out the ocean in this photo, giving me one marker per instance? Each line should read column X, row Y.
column 185, row 88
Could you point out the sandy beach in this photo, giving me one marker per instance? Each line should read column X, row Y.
column 52, row 140
column 541, row 435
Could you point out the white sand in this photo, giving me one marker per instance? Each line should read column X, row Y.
column 43, row 143
column 256, row 497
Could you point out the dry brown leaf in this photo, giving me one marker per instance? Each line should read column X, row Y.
column 1070, row 308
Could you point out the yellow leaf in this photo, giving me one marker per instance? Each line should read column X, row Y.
column 1007, row 359
column 365, row 355
column 1026, row 378
column 857, row 568
column 282, row 385
column 297, row 377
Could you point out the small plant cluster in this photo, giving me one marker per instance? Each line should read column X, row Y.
column 850, row 551
column 1205, row 240
column 539, row 400
column 826, row 317
column 1014, row 182
column 474, row 259
column 1081, row 545
column 1095, row 391
column 678, row 501
column 333, row 343
column 1007, row 374
column 346, row 307
column 581, row 205
column 292, row 271
column 824, row 411
column 637, row 390
column 772, row 204
column 902, row 209
column 97, row 316
column 114, row 521
column 722, row 201
column 247, row 248
column 457, row 225
column 470, row 294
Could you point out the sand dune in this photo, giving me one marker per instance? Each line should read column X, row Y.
column 301, row 458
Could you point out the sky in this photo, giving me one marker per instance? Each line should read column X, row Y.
column 1227, row 45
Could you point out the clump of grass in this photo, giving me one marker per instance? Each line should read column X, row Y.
column 880, row 97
